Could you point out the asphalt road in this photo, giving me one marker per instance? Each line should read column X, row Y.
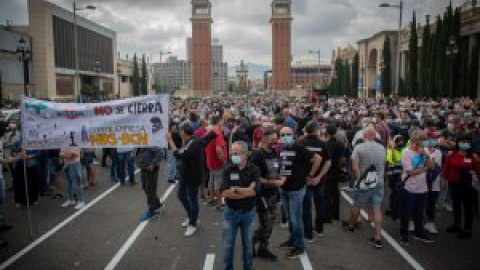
column 108, row 235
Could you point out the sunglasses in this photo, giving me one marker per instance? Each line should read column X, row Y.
column 285, row 135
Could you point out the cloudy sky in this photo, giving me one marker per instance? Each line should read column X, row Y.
column 151, row 26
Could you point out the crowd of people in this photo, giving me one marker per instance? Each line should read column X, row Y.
column 259, row 158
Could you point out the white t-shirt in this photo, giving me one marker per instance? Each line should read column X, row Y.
column 436, row 156
column 416, row 183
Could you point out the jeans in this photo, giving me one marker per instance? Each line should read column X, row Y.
column 332, row 197
column 232, row 222
column 172, row 172
column 462, row 197
column 318, row 194
column 349, row 175
column 113, row 168
column 149, row 185
column 188, row 196
column 413, row 207
column 394, row 182
column 431, row 202
column 267, row 213
column 123, row 158
column 74, row 181
column 293, row 205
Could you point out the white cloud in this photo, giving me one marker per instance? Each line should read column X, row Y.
column 148, row 26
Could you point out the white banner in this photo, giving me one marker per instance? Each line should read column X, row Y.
column 133, row 122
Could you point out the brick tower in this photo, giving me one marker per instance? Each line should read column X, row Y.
column 281, row 45
column 201, row 48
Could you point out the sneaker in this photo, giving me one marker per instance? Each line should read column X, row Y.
column 309, row 239
column 404, row 242
column 377, row 243
column 284, row 225
column 318, row 233
column 267, row 255
column 423, row 238
column 5, row 228
column 346, row 226
column 453, row 229
column 147, row 215
column 431, row 228
column 68, row 203
column 294, row 253
column 79, row 205
column 190, row 231
column 346, row 188
column 286, row 245
column 448, row 207
column 158, row 209
column 411, row 226
column 464, row 235
column 186, row 223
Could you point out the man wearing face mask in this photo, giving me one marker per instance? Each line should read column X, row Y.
column 315, row 188
column 239, row 188
column 266, row 160
column 298, row 165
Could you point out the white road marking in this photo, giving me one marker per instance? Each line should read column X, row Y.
column 413, row 263
column 133, row 237
column 209, row 262
column 307, row 265
column 57, row 228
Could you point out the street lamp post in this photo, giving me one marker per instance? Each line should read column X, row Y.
column 98, row 68
column 161, row 69
column 24, row 56
column 318, row 53
column 75, row 44
column 119, row 78
column 452, row 52
column 400, row 7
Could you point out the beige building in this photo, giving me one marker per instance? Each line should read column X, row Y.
column 53, row 58
column 470, row 29
column 370, row 54
column 124, row 72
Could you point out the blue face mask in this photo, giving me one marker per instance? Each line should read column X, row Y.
column 425, row 143
column 464, row 146
column 433, row 143
column 287, row 139
column 236, row 160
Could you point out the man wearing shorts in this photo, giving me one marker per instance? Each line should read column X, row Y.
column 216, row 153
column 364, row 155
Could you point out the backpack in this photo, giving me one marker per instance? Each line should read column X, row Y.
column 368, row 180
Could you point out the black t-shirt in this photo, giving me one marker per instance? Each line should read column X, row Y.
column 317, row 146
column 234, row 177
column 268, row 165
column 295, row 164
column 336, row 151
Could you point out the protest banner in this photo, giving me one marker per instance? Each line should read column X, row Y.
column 132, row 122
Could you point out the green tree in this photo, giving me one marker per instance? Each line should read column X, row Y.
column 413, row 47
column 473, row 72
column 135, row 77
column 355, row 76
column 387, row 69
column 424, row 62
column 144, row 78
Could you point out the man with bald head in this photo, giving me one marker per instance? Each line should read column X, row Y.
column 366, row 156
column 239, row 188
column 297, row 166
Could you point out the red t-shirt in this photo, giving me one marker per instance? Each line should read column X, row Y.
column 201, row 132
column 257, row 136
column 213, row 162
